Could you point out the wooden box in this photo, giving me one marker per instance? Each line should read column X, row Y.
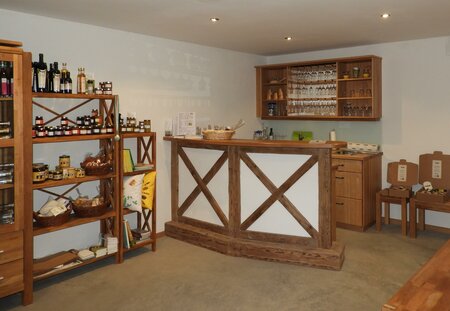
column 434, row 168
column 402, row 176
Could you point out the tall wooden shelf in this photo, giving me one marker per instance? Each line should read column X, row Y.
column 146, row 154
column 15, row 228
column 328, row 89
column 109, row 183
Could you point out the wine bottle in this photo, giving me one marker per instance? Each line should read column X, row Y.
column 10, row 77
column 34, row 86
column 56, row 78
column 3, row 80
column 68, row 83
column 81, row 81
column 50, row 73
column 42, row 74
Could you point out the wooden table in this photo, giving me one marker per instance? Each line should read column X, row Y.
column 233, row 235
column 428, row 289
column 421, row 206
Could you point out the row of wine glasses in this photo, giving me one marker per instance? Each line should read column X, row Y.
column 313, row 73
column 311, row 107
column 357, row 109
column 312, row 91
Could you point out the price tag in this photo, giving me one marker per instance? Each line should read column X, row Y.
column 402, row 172
column 436, row 169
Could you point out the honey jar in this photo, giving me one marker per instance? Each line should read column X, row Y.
column 40, row 172
column 64, row 161
column 79, row 172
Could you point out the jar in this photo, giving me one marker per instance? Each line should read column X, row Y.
column 39, row 120
column 141, row 127
column 87, row 120
column 70, row 172
column 147, row 126
column 109, row 129
column 51, row 174
column 64, row 121
column 98, row 91
column 58, row 131
column 50, row 131
column 107, row 91
column 123, row 128
column 40, row 131
column 64, row 161
column 83, row 130
column 57, row 175
column 88, row 130
column 80, row 121
column 79, row 173
column 33, row 132
column 67, row 131
column 90, row 86
column 75, row 130
column 107, row 85
column 103, row 130
column 96, row 129
column 39, row 172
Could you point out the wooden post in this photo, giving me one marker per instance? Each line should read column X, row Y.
column 325, row 235
column 174, row 180
column 234, row 191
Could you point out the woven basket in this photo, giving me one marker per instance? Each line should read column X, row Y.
column 87, row 210
column 95, row 170
column 218, row 134
column 52, row 220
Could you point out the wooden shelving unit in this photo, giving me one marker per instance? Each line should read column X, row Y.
column 145, row 153
column 331, row 89
column 108, row 184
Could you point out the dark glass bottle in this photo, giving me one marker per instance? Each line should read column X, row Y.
column 50, row 73
column 68, row 83
column 34, row 77
column 56, row 78
column 42, row 74
column 62, row 83
column 3, row 80
column 10, row 77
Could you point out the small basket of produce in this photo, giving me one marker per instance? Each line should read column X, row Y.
column 84, row 206
column 53, row 213
column 100, row 164
column 222, row 133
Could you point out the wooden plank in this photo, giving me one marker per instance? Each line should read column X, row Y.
column 212, row 201
column 203, row 224
column 279, row 238
column 208, row 177
column 70, row 181
column 325, row 234
column 234, row 191
column 72, row 96
column 59, row 139
column 174, row 179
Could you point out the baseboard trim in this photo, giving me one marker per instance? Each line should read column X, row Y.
column 427, row 227
column 160, row 234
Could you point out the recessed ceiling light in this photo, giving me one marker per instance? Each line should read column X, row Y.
column 385, row 15
column 214, row 19
column 288, row 38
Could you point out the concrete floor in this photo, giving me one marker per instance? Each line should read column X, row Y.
column 180, row 276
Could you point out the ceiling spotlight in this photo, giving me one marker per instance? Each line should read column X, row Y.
column 288, row 38
column 214, row 19
column 385, row 15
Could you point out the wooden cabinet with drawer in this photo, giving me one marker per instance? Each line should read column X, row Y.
column 358, row 178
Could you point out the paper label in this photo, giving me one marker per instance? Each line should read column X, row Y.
column 436, row 169
column 402, row 172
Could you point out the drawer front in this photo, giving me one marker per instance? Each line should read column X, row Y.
column 11, row 246
column 11, row 277
column 349, row 185
column 348, row 165
column 349, row 211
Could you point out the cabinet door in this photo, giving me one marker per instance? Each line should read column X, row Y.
column 349, row 185
column 11, row 277
column 10, row 103
column 349, row 211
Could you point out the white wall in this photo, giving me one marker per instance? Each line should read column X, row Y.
column 154, row 77
column 416, row 103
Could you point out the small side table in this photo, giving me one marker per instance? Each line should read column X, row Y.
column 387, row 200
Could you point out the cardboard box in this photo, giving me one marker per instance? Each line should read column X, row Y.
column 434, row 168
column 423, row 195
column 400, row 192
column 402, row 176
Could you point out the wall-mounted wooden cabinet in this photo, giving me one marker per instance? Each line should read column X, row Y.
column 331, row 89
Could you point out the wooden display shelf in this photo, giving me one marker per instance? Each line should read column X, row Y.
column 313, row 117
column 56, row 272
column 6, row 186
column 60, row 139
column 6, row 99
column 71, row 96
column 134, row 135
column 139, row 245
column 354, row 79
column 7, row 142
column 134, row 173
column 354, row 98
column 69, row 181
column 73, row 222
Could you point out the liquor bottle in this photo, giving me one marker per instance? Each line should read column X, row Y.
column 3, row 80
column 34, row 77
column 81, row 81
column 62, row 82
column 41, row 74
column 68, row 83
column 271, row 134
column 56, row 78
column 10, row 77
column 50, row 73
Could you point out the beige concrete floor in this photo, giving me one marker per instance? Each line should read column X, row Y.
column 180, row 276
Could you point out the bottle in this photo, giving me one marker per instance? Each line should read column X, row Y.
column 332, row 135
column 34, row 76
column 50, row 87
column 56, row 78
column 68, row 84
column 271, row 134
column 81, row 81
column 10, row 77
column 41, row 74
column 3, row 80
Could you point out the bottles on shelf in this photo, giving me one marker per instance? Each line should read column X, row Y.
column 81, row 81
column 6, row 79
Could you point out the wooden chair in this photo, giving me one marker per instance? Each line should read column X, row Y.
column 402, row 176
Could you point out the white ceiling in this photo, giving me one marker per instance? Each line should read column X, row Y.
column 257, row 26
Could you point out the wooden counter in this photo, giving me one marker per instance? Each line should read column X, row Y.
column 233, row 235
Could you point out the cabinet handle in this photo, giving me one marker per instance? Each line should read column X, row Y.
column 339, row 203
column 338, row 177
column 341, row 165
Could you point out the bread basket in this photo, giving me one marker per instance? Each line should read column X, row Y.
column 48, row 221
column 218, row 134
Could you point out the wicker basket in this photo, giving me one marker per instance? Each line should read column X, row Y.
column 87, row 210
column 95, row 170
column 52, row 220
column 218, row 134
